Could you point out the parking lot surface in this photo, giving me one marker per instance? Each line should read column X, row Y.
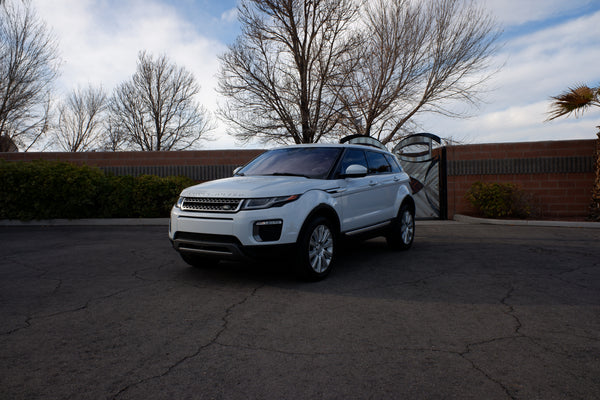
column 470, row 312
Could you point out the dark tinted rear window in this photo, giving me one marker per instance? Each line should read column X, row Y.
column 393, row 163
column 378, row 163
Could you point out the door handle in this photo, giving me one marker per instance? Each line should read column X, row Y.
column 372, row 183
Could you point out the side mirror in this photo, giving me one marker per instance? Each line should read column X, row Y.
column 235, row 171
column 355, row 171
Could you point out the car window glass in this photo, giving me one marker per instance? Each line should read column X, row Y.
column 312, row 162
column 393, row 163
column 377, row 163
column 352, row 156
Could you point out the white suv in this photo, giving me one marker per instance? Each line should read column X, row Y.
column 297, row 202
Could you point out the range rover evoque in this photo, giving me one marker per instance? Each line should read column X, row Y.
column 298, row 202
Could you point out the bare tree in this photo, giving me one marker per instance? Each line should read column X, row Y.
column 81, row 119
column 417, row 57
column 296, row 72
column 156, row 109
column 114, row 139
column 28, row 67
column 279, row 73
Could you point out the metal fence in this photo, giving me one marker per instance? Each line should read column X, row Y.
column 541, row 165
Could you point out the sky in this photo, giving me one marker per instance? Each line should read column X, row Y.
column 547, row 47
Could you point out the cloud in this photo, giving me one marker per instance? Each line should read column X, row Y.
column 535, row 67
column 230, row 15
column 99, row 42
column 546, row 62
column 515, row 124
column 517, row 12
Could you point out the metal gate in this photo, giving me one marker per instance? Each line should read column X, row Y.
column 427, row 169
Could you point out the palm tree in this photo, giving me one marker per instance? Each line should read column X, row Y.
column 575, row 101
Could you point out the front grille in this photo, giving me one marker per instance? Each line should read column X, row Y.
column 210, row 204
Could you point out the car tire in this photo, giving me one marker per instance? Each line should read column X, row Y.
column 316, row 249
column 199, row 261
column 402, row 229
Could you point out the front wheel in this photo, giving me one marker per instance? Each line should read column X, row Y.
column 402, row 230
column 316, row 246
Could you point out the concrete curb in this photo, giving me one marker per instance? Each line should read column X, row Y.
column 564, row 224
column 89, row 222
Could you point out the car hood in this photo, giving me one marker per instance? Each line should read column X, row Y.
column 257, row 186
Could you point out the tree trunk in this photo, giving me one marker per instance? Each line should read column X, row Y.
column 595, row 205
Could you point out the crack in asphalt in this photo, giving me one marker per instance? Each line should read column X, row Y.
column 212, row 341
column 42, row 272
column 422, row 280
column 469, row 347
column 483, row 372
column 580, row 268
column 471, row 352
column 289, row 353
column 30, row 318
column 510, row 311
column 27, row 323
column 462, row 355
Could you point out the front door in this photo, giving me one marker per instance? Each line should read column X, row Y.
column 366, row 200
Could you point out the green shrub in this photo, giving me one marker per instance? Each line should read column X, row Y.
column 154, row 196
column 498, row 200
column 116, row 199
column 48, row 189
column 51, row 189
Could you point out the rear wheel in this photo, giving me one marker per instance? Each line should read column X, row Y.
column 199, row 261
column 402, row 230
column 316, row 246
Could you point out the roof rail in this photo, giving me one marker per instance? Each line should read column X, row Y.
column 364, row 140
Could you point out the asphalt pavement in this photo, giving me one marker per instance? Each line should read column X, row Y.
column 470, row 312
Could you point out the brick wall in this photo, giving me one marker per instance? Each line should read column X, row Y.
column 558, row 174
column 199, row 165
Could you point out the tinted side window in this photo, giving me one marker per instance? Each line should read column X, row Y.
column 352, row 156
column 377, row 163
column 394, row 163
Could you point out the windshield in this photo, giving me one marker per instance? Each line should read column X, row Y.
column 310, row 162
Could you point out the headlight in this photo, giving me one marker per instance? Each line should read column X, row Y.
column 267, row 202
column 180, row 202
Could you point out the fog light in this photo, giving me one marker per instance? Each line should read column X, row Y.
column 267, row 231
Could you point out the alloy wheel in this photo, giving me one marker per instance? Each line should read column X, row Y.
column 320, row 248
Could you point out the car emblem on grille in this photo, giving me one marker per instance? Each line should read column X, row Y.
column 226, row 207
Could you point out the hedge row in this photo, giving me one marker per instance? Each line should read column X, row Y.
column 500, row 200
column 52, row 189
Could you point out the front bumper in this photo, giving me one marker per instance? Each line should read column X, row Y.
column 235, row 235
column 217, row 246
column 224, row 247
